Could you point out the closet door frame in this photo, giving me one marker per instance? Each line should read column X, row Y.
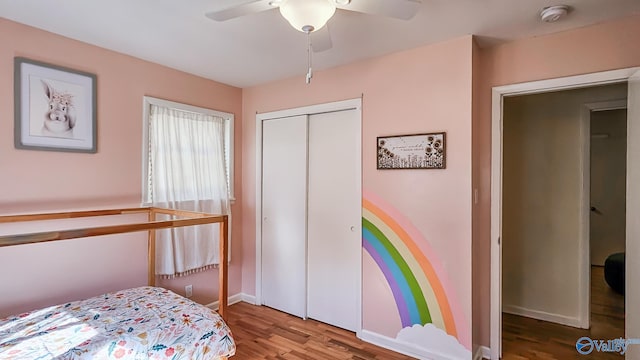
column 351, row 104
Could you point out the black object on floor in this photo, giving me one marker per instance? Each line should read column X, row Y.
column 614, row 272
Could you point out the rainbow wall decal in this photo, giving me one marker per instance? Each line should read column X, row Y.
column 418, row 292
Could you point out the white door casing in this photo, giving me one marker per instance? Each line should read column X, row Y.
column 632, row 75
column 632, row 262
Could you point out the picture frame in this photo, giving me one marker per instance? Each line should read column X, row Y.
column 55, row 107
column 413, row 151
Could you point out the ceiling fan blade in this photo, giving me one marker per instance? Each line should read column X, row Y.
column 321, row 39
column 400, row 9
column 235, row 11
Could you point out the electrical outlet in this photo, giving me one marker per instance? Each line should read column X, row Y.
column 188, row 290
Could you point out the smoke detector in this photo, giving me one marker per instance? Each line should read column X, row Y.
column 554, row 13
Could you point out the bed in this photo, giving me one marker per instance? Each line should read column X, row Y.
column 141, row 323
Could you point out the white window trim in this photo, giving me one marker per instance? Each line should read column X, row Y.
column 229, row 127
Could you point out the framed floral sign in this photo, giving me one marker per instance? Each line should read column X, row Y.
column 417, row 151
column 55, row 107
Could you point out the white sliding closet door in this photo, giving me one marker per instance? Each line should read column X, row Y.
column 334, row 218
column 284, row 204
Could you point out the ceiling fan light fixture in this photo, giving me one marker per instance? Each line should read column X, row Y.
column 307, row 15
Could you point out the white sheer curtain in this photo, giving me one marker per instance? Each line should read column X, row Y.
column 187, row 171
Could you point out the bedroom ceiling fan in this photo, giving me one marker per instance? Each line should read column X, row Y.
column 311, row 16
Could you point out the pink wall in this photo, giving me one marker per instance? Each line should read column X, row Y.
column 429, row 88
column 606, row 46
column 37, row 181
column 38, row 275
column 421, row 90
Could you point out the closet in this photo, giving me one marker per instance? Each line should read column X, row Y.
column 310, row 205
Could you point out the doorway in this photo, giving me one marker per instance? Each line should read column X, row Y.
column 546, row 166
column 607, row 217
column 632, row 76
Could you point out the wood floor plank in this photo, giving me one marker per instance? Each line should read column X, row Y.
column 526, row 338
column 262, row 333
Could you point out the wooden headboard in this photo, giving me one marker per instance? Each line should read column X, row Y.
column 182, row 218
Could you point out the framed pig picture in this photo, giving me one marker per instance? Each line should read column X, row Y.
column 55, row 108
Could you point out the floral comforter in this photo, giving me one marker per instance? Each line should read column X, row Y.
column 141, row 323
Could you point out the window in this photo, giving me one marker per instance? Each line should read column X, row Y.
column 187, row 165
column 186, row 155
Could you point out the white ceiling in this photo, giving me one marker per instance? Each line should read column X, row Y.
column 262, row 47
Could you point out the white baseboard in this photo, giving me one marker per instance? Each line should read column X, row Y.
column 401, row 347
column 542, row 315
column 483, row 352
column 233, row 299
column 250, row 299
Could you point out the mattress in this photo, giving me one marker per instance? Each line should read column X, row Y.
column 140, row 323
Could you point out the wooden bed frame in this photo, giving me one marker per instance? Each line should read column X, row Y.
column 187, row 218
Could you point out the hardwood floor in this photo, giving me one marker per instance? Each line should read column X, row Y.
column 264, row 333
column 525, row 338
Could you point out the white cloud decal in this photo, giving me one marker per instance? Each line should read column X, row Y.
column 434, row 341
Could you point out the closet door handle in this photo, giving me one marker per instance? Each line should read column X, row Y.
column 353, row 228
